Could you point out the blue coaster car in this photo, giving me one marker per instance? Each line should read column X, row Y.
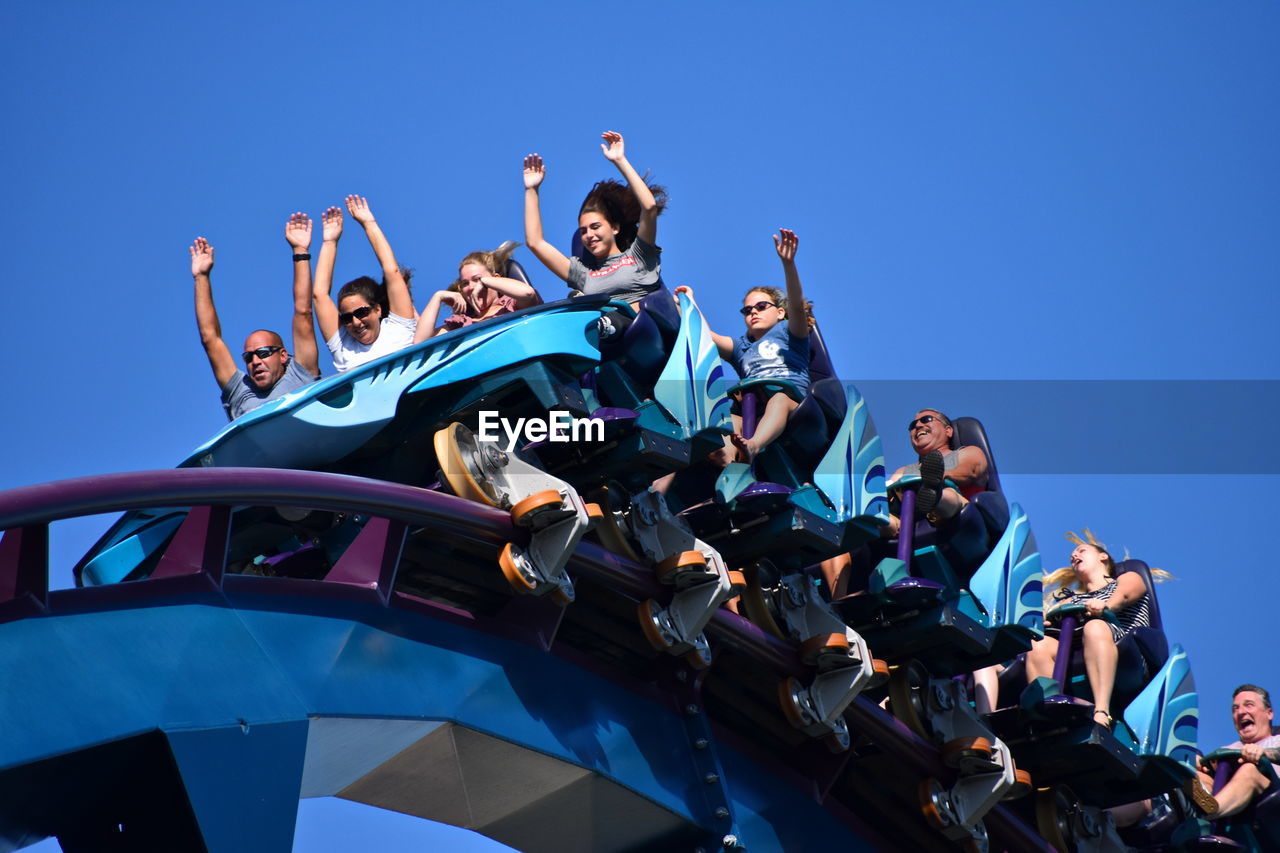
column 378, row 420
column 969, row 594
column 1051, row 730
column 816, row 491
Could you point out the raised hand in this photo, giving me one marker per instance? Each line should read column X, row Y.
column 534, row 171
column 786, row 246
column 298, row 232
column 613, row 146
column 201, row 257
column 332, row 219
column 358, row 207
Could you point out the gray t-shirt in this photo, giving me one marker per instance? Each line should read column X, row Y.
column 628, row 276
column 239, row 394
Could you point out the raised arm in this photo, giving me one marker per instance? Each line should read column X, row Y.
column 724, row 343
column 220, row 358
column 523, row 294
column 297, row 232
column 797, row 318
column 397, row 288
column 614, row 149
column 551, row 257
column 431, row 314
column 326, row 311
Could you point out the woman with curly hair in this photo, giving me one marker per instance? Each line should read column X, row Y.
column 618, row 226
column 481, row 292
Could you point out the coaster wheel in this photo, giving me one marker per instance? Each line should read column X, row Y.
column 607, row 530
column 755, row 604
column 458, row 453
column 677, row 564
column 961, row 750
column 879, row 673
column 931, row 795
column 647, row 612
column 529, row 511
column 1053, row 816
column 561, row 596
column 515, row 569
column 699, row 659
column 837, row 742
column 789, row 690
column 815, row 647
column 906, row 696
column 1021, row 785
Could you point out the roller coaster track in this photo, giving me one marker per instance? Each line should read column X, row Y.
column 192, row 709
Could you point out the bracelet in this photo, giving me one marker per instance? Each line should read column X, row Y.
column 305, row 256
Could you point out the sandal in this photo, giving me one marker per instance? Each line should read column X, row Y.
column 932, row 471
column 1108, row 722
column 1199, row 794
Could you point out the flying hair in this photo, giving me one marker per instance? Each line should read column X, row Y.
column 1063, row 583
column 495, row 262
column 618, row 204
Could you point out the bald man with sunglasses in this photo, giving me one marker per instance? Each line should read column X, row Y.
column 269, row 371
column 947, row 476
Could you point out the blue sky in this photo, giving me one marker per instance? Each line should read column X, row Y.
column 989, row 191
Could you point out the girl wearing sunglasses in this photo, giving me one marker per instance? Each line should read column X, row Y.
column 618, row 226
column 775, row 346
column 481, row 293
column 370, row 319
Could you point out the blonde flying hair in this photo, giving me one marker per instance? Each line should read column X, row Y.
column 495, row 262
column 1065, row 580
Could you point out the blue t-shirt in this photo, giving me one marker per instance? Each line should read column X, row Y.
column 239, row 394
column 777, row 354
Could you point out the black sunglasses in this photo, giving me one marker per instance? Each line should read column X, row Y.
column 260, row 352
column 757, row 307
column 926, row 419
column 359, row 314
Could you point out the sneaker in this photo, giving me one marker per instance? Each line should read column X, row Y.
column 932, row 471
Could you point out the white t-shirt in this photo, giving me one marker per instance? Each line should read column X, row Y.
column 396, row 333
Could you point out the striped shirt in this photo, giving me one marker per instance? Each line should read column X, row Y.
column 1135, row 614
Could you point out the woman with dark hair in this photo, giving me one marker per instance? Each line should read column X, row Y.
column 618, row 225
column 481, row 292
column 369, row 319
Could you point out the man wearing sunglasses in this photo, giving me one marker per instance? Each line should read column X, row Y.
column 269, row 371
column 947, row 476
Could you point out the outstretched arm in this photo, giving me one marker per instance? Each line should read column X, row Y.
column 297, row 232
column 551, row 257
column 220, row 358
column 430, row 314
column 326, row 311
column 614, row 151
column 397, row 288
column 797, row 318
column 724, row 343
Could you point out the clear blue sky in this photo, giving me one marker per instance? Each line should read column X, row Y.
column 982, row 191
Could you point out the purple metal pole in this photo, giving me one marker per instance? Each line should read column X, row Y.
column 750, row 413
column 1222, row 775
column 906, row 526
column 1066, row 639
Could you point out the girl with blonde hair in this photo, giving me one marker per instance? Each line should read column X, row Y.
column 481, row 292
